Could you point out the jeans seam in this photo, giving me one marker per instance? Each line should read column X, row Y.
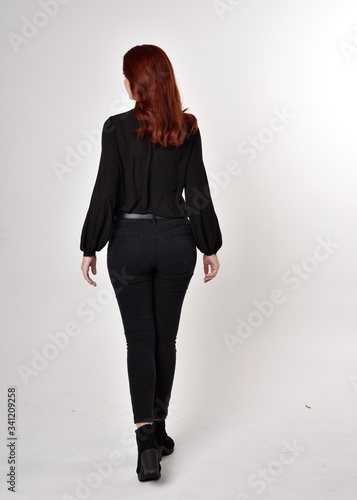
column 171, row 246
column 139, row 249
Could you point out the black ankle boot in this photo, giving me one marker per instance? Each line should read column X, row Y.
column 165, row 443
column 148, row 466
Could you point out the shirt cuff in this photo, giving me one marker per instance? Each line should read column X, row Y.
column 88, row 254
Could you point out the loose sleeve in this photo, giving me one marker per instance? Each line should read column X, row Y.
column 199, row 205
column 98, row 222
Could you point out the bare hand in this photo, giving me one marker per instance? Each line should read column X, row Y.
column 86, row 264
column 212, row 262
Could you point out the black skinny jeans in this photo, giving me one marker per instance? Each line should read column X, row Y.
column 150, row 264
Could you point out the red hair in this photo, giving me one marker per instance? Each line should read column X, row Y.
column 158, row 103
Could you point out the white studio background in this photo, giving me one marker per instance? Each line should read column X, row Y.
column 266, row 351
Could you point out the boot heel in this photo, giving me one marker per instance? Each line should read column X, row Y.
column 150, row 467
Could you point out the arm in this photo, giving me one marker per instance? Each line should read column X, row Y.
column 102, row 208
column 200, row 209
column 199, row 205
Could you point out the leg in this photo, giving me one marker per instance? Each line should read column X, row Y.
column 169, row 293
column 135, row 300
column 136, row 306
column 177, row 257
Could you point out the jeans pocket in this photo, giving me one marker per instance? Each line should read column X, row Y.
column 184, row 251
column 124, row 249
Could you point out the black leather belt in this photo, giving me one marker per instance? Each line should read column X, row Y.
column 144, row 216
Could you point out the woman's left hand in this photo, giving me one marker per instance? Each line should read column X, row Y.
column 86, row 264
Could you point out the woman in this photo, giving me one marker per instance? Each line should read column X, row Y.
column 149, row 155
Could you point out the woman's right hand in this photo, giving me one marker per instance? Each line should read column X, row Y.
column 210, row 261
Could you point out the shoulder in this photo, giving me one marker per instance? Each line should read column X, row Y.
column 195, row 137
column 119, row 121
column 123, row 119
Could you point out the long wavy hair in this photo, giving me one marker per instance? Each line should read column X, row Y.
column 158, row 104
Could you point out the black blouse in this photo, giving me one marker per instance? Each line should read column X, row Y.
column 134, row 176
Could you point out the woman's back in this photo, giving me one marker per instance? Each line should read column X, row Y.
column 134, row 176
column 151, row 179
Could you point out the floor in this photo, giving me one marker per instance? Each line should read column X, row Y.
column 279, row 454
